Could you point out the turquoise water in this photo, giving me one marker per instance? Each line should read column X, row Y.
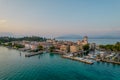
column 14, row 66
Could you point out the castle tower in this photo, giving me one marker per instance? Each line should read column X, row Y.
column 85, row 38
column 79, row 42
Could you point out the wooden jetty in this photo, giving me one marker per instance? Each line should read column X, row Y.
column 33, row 54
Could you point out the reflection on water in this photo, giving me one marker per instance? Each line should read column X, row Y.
column 38, row 56
column 51, row 54
column 20, row 53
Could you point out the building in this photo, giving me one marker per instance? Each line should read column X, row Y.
column 46, row 45
column 74, row 48
column 64, row 48
column 33, row 46
column 85, row 40
column 79, row 42
column 27, row 46
column 92, row 46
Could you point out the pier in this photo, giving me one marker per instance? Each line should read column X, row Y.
column 33, row 54
column 78, row 59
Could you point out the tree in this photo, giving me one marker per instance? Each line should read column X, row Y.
column 86, row 48
column 115, row 47
column 10, row 39
column 52, row 49
column 40, row 47
column 19, row 46
column 117, row 43
column 102, row 46
column 10, row 44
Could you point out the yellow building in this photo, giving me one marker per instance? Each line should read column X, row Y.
column 74, row 48
column 64, row 48
column 79, row 42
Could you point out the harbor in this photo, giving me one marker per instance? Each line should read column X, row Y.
column 39, row 66
column 87, row 61
column 80, row 50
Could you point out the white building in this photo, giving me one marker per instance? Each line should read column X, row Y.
column 27, row 46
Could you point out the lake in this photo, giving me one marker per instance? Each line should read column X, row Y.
column 15, row 66
column 97, row 41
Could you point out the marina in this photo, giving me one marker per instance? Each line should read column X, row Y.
column 87, row 61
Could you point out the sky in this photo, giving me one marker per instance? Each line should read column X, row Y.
column 60, row 17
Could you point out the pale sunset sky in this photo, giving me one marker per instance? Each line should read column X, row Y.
column 60, row 17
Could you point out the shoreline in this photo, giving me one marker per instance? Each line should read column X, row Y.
column 113, row 62
column 60, row 53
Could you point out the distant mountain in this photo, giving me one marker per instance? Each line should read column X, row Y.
column 105, row 37
column 109, row 35
column 2, row 34
column 70, row 36
column 115, row 35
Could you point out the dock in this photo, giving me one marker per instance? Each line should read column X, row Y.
column 79, row 59
column 33, row 54
column 111, row 62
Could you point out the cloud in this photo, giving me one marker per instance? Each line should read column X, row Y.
column 3, row 21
